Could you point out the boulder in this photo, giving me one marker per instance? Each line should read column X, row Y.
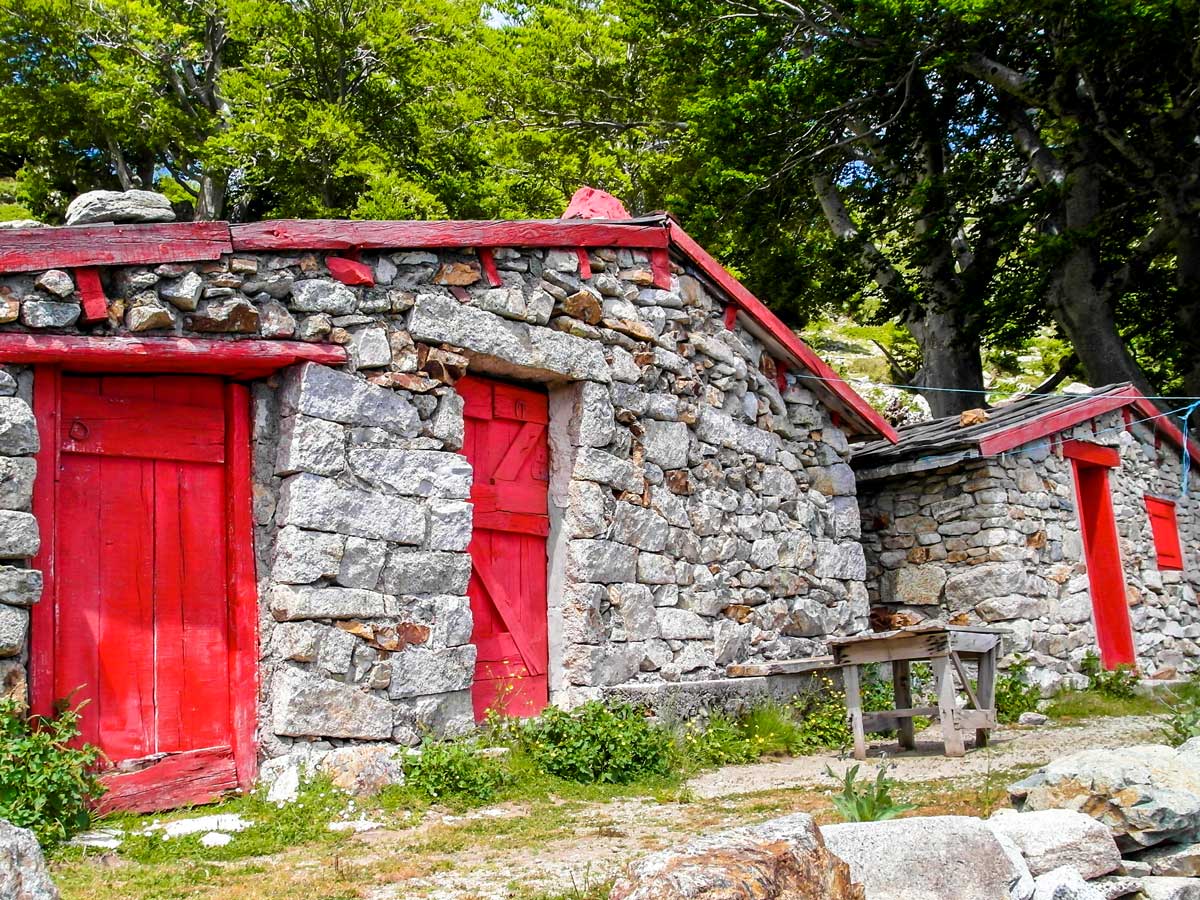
column 1163, row 888
column 1114, row 886
column 1179, row 860
column 1065, row 883
column 1053, row 838
column 1145, row 794
column 23, row 873
column 363, row 770
column 922, row 858
column 307, row 705
column 784, row 858
column 119, row 206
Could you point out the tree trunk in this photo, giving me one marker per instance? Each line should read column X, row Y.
column 210, row 203
column 949, row 358
column 1187, row 306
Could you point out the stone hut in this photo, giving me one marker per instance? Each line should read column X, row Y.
column 1060, row 518
column 309, row 487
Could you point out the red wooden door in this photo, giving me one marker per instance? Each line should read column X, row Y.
column 140, row 623
column 1110, row 610
column 506, row 444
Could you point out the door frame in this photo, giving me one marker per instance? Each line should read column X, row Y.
column 240, row 577
column 1091, row 464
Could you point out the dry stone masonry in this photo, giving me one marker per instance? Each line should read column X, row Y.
column 702, row 508
column 996, row 541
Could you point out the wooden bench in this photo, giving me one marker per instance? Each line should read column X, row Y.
column 945, row 647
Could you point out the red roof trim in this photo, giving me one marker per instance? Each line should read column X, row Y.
column 33, row 249
column 1096, row 454
column 338, row 234
column 856, row 406
column 1060, row 420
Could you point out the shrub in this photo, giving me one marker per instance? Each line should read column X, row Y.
column 822, row 716
column 718, row 742
column 611, row 744
column 770, row 729
column 454, row 770
column 1182, row 721
column 1118, row 684
column 45, row 784
column 870, row 802
column 1014, row 693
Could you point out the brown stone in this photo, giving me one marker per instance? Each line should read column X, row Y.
column 783, row 859
column 1037, row 540
column 739, row 612
column 229, row 317
column 10, row 306
column 972, row 417
column 339, row 335
column 446, row 366
column 640, row 277
column 459, row 274
column 678, row 481
column 637, row 330
column 584, row 305
column 918, row 555
column 13, row 685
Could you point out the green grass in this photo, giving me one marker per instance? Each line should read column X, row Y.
column 1090, row 704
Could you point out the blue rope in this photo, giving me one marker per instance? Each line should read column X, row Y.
column 1187, row 451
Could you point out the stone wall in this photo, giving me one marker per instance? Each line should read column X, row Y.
column 996, row 541
column 699, row 515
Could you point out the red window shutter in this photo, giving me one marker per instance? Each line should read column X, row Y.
column 1166, row 533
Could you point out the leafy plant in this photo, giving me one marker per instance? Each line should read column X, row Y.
column 596, row 742
column 454, row 770
column 822, row 718
column 866, row 801
column 718, row 742
column 771, row 729
column 1119, row 683
column 45, row 783
column 1014, row 693
column 1182, row 721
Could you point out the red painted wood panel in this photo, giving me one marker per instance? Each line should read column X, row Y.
column 1165, row 528
column 506, row 443
column 1091, row 453
column 1110, row 610
column 115, row 426
column 180, row 779
column 32, row 249
column 153, row 563
column 91, row 294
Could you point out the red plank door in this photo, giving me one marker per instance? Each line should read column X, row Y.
column 139, row 622
column 1110, row 610
column 506, row 444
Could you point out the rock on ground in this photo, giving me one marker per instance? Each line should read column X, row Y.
column 942, row 857
column 1163, row 888
column 783, row 859
column 1065, row 883
column 1180, row 860
column 1146, row 794
column 1052, row 838
column 23, row 874
column 119, row 206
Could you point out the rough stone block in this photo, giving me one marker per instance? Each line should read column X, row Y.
column 439, row 319
column 307, row 444
column 639, row 527
column 19, row 536
column 565, row 354
column 675, row 624
column 289, row 603
column 49, row 314
column 325, row 393
column 427, row 572
column 302, row 557
column 592, row 423
column 14, row 629
column 14, row 681
column 451, row 714
column 967, row 589
column 843, row 561
column 20, row 587
column 417, row 671
column 362, row 563
column 635, row 605
column 714, row 427
column 600, row 562
column 307, row 705
column 666, row 443
column 18, row 429
column 323, row 295
column 370, row 349
column 449, row 525
column 604, row 468
column 16, row 482
column 916, row 585
column 1052, row 838
column 419, row 473
column 296, row 641
column 321, row 504
column 606, row 664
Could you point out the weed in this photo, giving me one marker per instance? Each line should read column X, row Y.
column 1119, row 683
column 454, row 770
column 45, row 784
column 1014, row 693
column 1089, row 705
column 771, row 729
column 1182, row 720
column 718, row 742
column 870, row 801
column 596, row 742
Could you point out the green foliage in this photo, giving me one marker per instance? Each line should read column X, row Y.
column 1119, row 683
column 454, row 770
column 822, row 717
column 45, row 784
column 1091, row 704
column 718, row 742
column 866, row 801
column 1014, row 693
column 597, row 742
column 1182, row 720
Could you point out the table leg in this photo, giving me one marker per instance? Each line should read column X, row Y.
column 902, row 692
column 986, row 690
column 854, row 707
column 948, row 706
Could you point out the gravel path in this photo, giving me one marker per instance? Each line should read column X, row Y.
column 1010, row 747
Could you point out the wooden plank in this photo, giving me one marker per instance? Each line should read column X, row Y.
column 729, row 317
column 509, row 612
column 854, row 710
column 241, row 580
column 974, row 642
column 47, row 385
column 585, row 263
column 34, row 249
column 864, row 414
column 91, row 294
column 1037, row 427
column 237, row 359
column 335, row 234
column 986, row 690
column 948, row 707
column 902, row 696
column 150, row 429
column 518, row 523
column 779, row 667
column 886, row 720
column 179, row 779
column 962, row 676
column 660, row 268
column 918, row 646
column 520, row 404
column 518, row 452
column 1091, row 453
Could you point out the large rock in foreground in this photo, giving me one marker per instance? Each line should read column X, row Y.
column 930, row 858
column 1052, row 838
column 119, row 206
column 23, row 874
column 1146, row 794
column 784, row 859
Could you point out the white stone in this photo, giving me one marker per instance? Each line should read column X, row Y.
column 119, row 206
column 1064, row 883
column 321, row 504
column 1052, row 838
column 306, row 705
column 421, row 473
column 230, row 823
column 307, row 444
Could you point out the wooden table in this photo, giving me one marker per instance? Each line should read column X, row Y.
column 944, row 647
